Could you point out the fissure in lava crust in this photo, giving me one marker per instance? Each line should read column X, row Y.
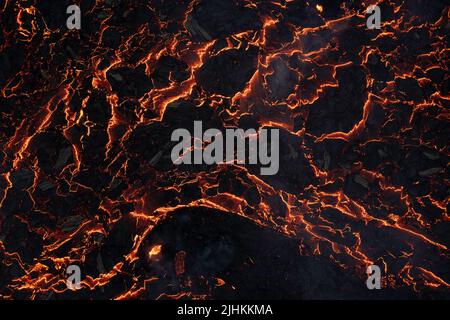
column 86, row 176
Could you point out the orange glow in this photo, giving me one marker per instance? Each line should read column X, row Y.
column 155, row 251
column 63, row 118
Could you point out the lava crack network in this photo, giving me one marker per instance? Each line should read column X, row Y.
column 86, row 177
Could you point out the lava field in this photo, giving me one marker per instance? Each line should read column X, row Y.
column 86, row 176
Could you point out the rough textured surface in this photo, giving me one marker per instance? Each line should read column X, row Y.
column 86, row 176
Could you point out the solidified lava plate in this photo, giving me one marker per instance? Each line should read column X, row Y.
column 86, row 176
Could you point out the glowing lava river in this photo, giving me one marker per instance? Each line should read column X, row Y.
column 86, row 176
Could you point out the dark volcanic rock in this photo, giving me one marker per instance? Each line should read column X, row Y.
column 228, row 72
column 221, row 18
